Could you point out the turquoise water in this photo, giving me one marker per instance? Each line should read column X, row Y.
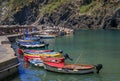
column 85, row 46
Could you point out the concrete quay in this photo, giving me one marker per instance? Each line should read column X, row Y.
column 8, row 61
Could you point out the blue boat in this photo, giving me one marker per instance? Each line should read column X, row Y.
column 28, row 39
column 32, row 44
column 36, row 62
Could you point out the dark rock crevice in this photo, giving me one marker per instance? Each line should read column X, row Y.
column 27, row 15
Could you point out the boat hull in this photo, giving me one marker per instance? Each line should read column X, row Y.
column 21, row 40
column 33, row 46
column 69, row 71
column 36, row 62
column 36, row 51
column 28, row 39
column 30, row 56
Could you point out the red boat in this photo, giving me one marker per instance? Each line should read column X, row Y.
column 39, row 61
column 58, row 65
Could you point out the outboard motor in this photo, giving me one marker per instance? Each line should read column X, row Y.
column 47, row 44
column 60, row 51
column 98, row 68
column 66, row 56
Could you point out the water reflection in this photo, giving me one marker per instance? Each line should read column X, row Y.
column 32, row 73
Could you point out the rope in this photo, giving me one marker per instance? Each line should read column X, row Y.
column 77, row 59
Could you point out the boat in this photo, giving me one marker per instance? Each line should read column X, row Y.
column 39, row 61
column 27, row 51
column 36, row 51
column 57, row 65
column 36, row 62
column 41, row 55
column 33, row 44
column 27, row 39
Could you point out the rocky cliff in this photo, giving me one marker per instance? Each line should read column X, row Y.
column 77, row 14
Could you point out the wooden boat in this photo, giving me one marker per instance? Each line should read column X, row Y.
column 41, row 55
column 39, row 61
column 46, row 54
column 27, row 39
column 60, row 66
column 36, row 62
column 20, row 51
column 36, row 51
column 33, row 44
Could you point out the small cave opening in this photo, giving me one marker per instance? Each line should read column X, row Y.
column 113, row 23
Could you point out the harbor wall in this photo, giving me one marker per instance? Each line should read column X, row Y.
column 8, row 61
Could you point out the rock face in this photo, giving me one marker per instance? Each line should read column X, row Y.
column 67, row 14
column 27, row 15
column 112, row 21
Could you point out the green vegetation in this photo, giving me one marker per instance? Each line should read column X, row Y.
column 16, row 5
column 89, row 7
column 13, row 6
column 49, row 8
column 96, row 8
